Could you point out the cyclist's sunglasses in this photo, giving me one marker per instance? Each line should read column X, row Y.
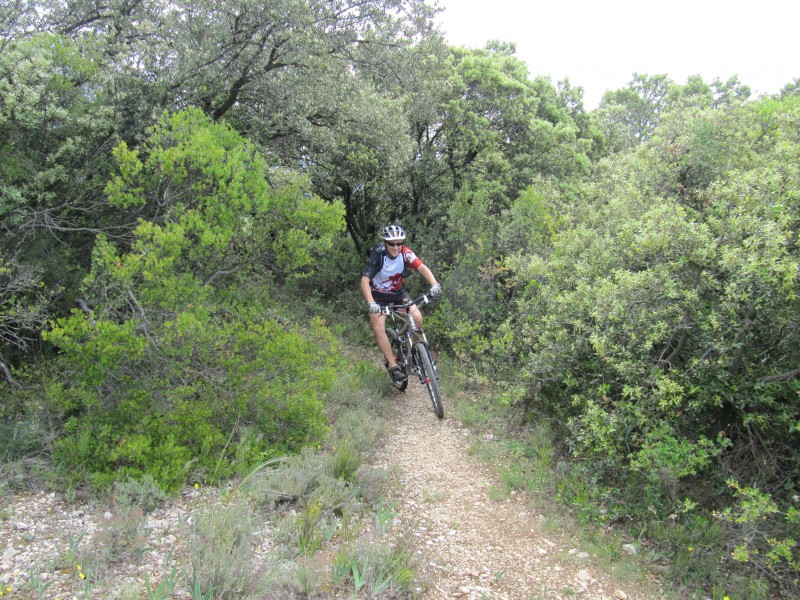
column 394, row 244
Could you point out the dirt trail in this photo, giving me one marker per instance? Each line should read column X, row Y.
column 470, row 545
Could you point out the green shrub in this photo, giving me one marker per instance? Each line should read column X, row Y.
column 222, row 554
column 186, row 412
column 375, row 569
column 346, row 461
column 143, row 493
column 24, row 460
column 183, row 368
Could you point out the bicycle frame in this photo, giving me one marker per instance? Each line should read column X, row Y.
column 412, row 349
column 408, row 326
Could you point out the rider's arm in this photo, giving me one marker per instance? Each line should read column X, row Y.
column 427, row 274
column 366, row 291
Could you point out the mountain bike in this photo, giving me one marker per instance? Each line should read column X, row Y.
column 411, row 350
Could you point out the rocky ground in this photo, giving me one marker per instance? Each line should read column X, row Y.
column 52, row 549
column 471, row 543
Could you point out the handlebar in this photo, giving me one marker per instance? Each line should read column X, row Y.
column 422, row 301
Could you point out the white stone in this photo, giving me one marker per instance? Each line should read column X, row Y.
column 629, row 549
column 9, row 554
column 620, row 595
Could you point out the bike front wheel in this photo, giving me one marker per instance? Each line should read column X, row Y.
column 429, row 377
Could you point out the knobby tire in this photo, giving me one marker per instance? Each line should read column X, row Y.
column 428, row 377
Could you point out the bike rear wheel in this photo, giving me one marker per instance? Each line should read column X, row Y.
column 398, row 349
column 428, row 376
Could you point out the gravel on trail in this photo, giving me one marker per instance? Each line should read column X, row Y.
column 474, row 543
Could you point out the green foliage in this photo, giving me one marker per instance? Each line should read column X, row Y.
column 54, row 126
column 215, row 212
column 143, row 493
column 631, row 115
column 132, row 412
column 222, row 555
column 375, row 569
column 346, row 462
column 766, row 534
column 695, row 546
column 178, row 364
column 310, row 529
column 23, row 308
column 656, row 315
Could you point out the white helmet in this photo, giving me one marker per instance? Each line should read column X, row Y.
column 393, row 232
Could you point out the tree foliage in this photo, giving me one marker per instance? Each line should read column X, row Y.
column 665, row 309
column 176, row 360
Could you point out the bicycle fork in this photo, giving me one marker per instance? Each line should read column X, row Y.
column 413, row 350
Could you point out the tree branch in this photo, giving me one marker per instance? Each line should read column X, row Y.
column 7, row 375
column 736, row 363
column 788, row 375
column 234, row 268
column 85, row 308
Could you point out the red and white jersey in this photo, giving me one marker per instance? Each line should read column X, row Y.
column 386, row 273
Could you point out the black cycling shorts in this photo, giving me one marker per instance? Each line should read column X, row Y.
column 401, row 296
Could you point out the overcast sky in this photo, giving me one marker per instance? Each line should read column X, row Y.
column 599, row 44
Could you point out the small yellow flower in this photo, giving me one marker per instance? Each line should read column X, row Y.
column 726, row 598
column 78, row 567
column 81, row 575
column 691, row 548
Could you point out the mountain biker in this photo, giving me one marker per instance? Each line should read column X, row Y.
column 382, row 284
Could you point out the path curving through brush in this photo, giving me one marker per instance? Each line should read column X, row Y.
column 469, row 543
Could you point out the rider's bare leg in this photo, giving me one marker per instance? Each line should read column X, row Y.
column 416, row 313
column 379, row 328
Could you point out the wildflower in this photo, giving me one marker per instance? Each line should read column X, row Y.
column 691, row 548
column 196, row 486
